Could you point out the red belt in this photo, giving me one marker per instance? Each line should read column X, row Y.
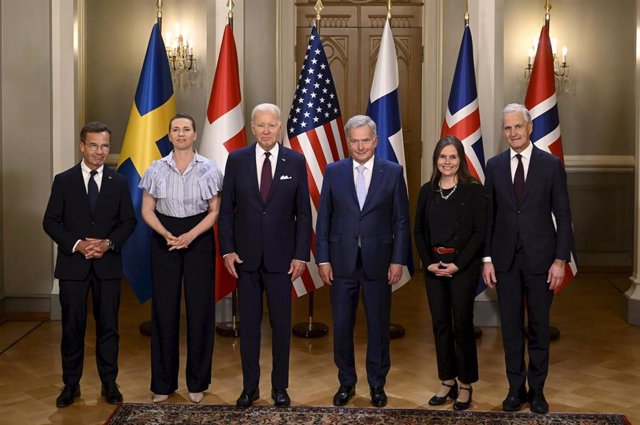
column 443, row 250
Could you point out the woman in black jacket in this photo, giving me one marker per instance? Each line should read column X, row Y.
column 449, row 232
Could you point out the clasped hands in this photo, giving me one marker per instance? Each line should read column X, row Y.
column 393, row 274
column 178, row 242
column 295, row 269
column 443, row 269
column 92, row 248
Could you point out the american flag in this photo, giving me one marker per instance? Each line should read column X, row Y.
column 315, row 129
column 541, row 102
column 224, row 132
column 463, row 114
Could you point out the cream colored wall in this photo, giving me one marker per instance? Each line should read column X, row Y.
column 26, row 152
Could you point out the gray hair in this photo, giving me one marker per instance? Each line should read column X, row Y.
column 357, row 121
column 265, row 107
column 516, row 107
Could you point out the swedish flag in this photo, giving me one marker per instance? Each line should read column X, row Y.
column 145, row 141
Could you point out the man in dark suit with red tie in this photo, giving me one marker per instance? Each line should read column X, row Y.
column 525, row 254
column 265, row 236
column 362, row 240
column 89, row 216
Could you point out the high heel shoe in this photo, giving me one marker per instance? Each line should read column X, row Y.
column 452, row 394
column 464, row 405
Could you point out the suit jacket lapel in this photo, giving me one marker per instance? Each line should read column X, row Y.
column 347, row 172
column 281, row 170
column 532, row 171
column 253, row 170
column 376, row 180
column 505, row 165
column 80, row 187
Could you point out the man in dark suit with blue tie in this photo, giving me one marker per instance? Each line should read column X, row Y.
column 525, row 254
column 362, row 240
column 265, row 237
column 89, row 216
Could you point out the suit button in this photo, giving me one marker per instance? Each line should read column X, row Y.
column 518, row 211
column 264, row 212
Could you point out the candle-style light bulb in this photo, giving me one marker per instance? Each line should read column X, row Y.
column 564, row 54
column 554, row 45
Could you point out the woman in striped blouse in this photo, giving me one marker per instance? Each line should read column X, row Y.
column 181, row 203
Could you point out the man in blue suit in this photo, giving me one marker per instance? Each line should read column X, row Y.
column 89, row 216
column 362, row 238
column 525, row 254
column 265, row 237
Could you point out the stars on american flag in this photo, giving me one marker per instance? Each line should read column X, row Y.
column 314, row 103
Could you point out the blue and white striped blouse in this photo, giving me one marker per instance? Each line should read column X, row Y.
column 182, row 195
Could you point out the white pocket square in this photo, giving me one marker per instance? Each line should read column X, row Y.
column 284, row 177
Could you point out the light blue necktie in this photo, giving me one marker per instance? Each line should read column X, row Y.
column 361, row 187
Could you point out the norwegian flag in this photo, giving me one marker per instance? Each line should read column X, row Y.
column 315, row 129
column 463, row 114
column 541, row 102
column 224, row 131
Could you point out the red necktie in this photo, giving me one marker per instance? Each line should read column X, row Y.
column 518, row 179
column 266, row 178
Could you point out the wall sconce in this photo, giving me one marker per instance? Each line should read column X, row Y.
column 560, row 67
column 181, row 59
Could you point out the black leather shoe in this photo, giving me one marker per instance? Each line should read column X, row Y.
column 378, row 397
column 452, row 394
column 111, row 393
column 344, row 394
column 538, row 402
column 515, row 399
column 68, row 394
column 247, row 398
column 464, row 405
column 280, row 398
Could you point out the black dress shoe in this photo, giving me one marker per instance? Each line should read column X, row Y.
column 464, row 405
column 247, row 398
column 111, row 393
column 538, row 402
column 68, row 394
column 378, row 397
column 515, row 399
column 452, row 394
column 280, row 398
column 344, row 394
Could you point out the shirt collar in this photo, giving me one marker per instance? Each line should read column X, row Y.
column 87, row 170
column 172, row 163
column 525, row 153
column 274, row 150
column 368, row 165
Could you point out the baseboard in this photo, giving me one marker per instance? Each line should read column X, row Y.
column 27, row 308
column 28, row 316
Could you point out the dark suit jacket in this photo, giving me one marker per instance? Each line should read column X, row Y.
column 382, row 226
column 275, row 232
column 545, row 192
column 470, row 225
column 69, row 217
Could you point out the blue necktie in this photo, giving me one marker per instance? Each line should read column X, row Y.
column 361, row 187
column 92, row 190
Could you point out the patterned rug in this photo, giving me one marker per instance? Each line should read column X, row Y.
column 183, row 414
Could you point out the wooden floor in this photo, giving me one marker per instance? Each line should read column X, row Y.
column 595, row 364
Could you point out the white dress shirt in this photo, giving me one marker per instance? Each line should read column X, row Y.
column 526, row 159
column 368, row 172
column 260, row 160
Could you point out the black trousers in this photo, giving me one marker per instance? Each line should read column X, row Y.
column 195, row 268
column 277, row 287
column 376, row 297
column 518, row 291
column 451, row 304
column 105, row 296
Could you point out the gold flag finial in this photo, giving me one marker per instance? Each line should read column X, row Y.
column 466, row 13
column 547, row 10
column 388, row 9
column 230, row 6
column 159, row 15
column 318, row 8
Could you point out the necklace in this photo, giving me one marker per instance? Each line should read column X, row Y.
column 445, row 197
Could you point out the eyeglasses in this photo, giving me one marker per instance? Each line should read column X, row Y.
column 92, row 147
column 270, row 126
column 365, row 142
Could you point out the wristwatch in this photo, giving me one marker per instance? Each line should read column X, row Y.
column 110, row 244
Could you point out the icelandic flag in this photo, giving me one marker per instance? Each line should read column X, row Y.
column 463, row 114
column 384, row 109
column 146, row 140
column 541, row 102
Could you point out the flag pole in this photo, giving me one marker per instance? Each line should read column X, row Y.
column 145, row 327
column 312, row 329
column 231, row 328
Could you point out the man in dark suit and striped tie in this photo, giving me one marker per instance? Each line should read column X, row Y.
column 89, row 216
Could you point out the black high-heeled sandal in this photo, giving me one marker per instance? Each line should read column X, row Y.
column 460, row 405
column 452, row 394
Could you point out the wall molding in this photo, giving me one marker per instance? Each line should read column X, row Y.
column 599, row 163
